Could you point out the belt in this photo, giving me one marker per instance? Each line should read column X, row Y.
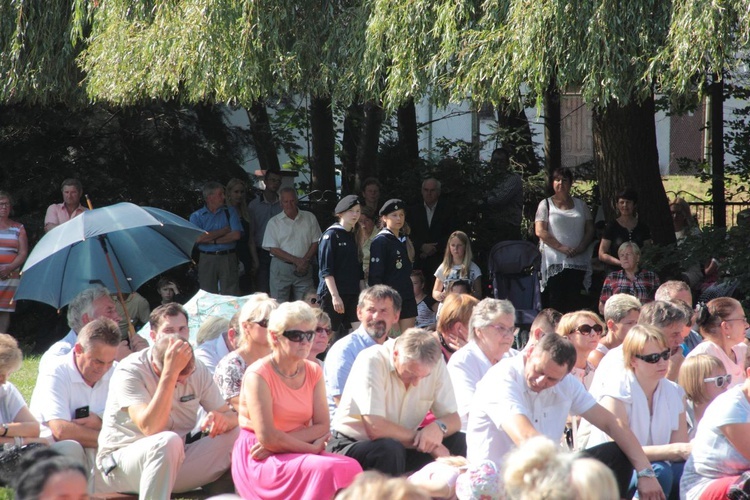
column 283, row 261
column 218, row 252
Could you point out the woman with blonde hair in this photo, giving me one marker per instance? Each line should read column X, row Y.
column 650, row 405
column 246, row 251
column 703, row 377
column 252, row 345
column 284, row 420
column 19, row 426
column 584, row 329
column 457, row 265
column 452, row 328
column 722, row 323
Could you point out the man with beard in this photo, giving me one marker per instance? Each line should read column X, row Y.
column 377, row 310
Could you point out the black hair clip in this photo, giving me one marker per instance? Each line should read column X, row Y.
column 702, row 313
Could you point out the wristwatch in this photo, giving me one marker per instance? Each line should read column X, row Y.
column 442, row 426
column 647, row 472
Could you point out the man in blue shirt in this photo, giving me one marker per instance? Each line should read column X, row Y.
column 378, row 310
column 217, row 267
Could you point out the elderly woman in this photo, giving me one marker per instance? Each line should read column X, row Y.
column 491, row 335
column 722, row 323
column 584, row 329
column 720, row 456
column 627, row 227
column 14, row 248
column 323, row 334
column 640, row 283
column 453, row 323
column 565, row 229
column 284, row 419
column 650, row 405
column 703, row 377
column 621, row 313
column 252, row 345
column 18, row 424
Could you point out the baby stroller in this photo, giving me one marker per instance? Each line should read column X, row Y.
column 514, row 267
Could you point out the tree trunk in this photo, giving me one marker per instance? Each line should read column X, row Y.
column 323, row 161
column 408, row 134
column 353, row 117
column 517, row 139
column 625, row 154
column 260, row 129
column 552, row 133
column 367, row 156
column 717, row 152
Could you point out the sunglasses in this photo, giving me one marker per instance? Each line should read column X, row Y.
column 313, row 300
column 298, row 335
column 654, row 358
column 262, row 323
column 320, row 329
column 720, row 381
column 587, row 329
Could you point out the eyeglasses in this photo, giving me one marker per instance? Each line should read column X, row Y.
column 4, row 204
column 298, row 335
column 587, row 329
column 262, row 323
column 744, row 318
column 654, row 358
column 720, row 380
column 503, row 329
column 320, row 329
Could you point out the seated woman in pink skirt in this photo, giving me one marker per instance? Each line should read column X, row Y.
column 284, row 418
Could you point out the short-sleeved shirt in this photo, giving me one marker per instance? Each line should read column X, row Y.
column 425, row 315
column 713, row 456
column 339, row 361
column 134, row 382
column 338, row 256
column 618, row 235
column 211, row 352
column 211, row 221
column 57, row 213
column 228, row 375
column 643, row 287
column 503, row 393
column 262, row 211
column 735, row 367
column 59, row 348
column 61, row 390
column 294, row 236
column 455, row 274
column 374, row 388
column 11, row 402
column 466, row 368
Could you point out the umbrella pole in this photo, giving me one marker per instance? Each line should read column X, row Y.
column 131, row 328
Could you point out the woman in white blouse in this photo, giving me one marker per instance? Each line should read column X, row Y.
column 491, row 335
column 652, row 406
column 722, row 323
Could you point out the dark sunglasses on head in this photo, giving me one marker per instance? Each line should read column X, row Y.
column 720, row 380
column 321, row 329
column 586, row 329
column 654, row 358
column 298, row 335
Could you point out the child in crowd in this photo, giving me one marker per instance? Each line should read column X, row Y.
column 457, row 265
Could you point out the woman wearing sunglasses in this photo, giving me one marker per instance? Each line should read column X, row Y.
column 323, row 335
column 650, row 405
column 584, row 329
column 703, row 377
column 720, row 460
column 284, row 418
column 722, row 323
column 252, row 345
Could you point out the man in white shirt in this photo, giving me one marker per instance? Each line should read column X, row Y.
column 292, row 239
column 530, row 395
column 211, row 351
column 388, row 393
column 69, row 399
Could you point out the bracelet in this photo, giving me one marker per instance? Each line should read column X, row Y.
column 5, row 430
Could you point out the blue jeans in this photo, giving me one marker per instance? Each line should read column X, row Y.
column 668, row 474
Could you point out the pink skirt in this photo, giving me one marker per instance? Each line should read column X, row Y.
column 289, row 475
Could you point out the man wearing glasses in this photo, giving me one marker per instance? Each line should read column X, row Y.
column 147, row 443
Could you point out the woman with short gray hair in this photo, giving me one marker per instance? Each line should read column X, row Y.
column 491, row 335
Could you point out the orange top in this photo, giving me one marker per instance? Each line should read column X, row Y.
column 292, row 408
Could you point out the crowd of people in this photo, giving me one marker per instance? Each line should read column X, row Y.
column 394, row 376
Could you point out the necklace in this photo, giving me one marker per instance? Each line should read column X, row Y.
column 278, row 370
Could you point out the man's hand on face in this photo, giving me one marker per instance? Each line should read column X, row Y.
column 178, row 356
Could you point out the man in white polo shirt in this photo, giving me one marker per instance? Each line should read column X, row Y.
column 69, row 398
